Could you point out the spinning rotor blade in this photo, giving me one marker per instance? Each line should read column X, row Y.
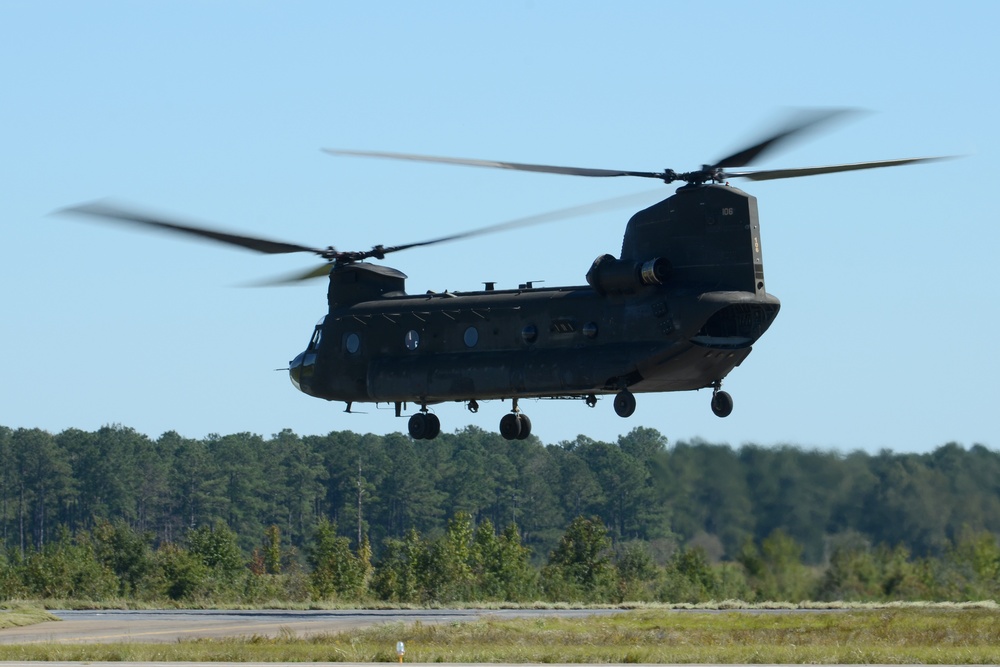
column 804, row 122
column 799, row 125
column 639, row 198
column 319, row 272
column 541, row 218
column 771, row 174
column 107, row 211
column 517, row 166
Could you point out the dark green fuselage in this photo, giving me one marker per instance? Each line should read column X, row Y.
column 678, row 310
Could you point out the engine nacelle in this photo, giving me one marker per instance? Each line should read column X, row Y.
column 613, row 276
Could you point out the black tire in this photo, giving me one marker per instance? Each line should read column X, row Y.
column 510, row 426
column 433, row 426
column 525, row 426
column 722, row 404
column 624, row 403
column 417, row 426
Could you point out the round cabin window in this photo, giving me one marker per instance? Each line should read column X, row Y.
column 412, row 339
column 471, row 337
column 352, row 343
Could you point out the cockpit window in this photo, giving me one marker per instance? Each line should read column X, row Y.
column 317, row 334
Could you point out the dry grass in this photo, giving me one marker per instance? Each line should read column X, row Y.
column 19, row 616
column 888, row 635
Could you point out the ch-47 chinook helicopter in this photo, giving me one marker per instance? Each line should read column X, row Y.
column 678, row 310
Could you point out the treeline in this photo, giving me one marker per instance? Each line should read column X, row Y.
column 114, row 563
column 370, row 494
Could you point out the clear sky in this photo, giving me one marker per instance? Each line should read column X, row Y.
column 217, row 111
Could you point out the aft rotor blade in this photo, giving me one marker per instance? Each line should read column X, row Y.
column 517, row 166
column 804, row 122
column 106, row 211
column 772, row 174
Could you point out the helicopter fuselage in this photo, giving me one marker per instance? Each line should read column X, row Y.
column 677, row 311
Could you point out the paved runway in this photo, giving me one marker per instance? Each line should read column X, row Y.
column 167, row 626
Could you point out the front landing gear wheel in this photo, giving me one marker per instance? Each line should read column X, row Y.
column 433, row 426
column 525, row 426
column 424, row 426
column 722, row 404
column 624, row 403
column 510, row 426
column 417, row 426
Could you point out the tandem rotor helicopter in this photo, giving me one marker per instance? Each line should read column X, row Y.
column 678, row 310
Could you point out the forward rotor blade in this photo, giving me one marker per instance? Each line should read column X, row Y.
column 804, row 122
column 542, row 218
column 319, row 272
column 517, row 166
column 106, row 211
column 772, row 174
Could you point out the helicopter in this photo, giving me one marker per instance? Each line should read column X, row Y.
column 678, row 309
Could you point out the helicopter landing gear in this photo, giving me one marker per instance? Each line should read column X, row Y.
column 516, row 425
column 624, row 403
column 722, row 402
column 591, row 400
column 424, row 425
column 473, row 406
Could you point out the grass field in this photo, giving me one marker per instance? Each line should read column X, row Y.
column 21, row 616
column 911, row 635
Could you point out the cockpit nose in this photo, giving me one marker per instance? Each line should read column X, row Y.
column 300, row 371
column 302, row 368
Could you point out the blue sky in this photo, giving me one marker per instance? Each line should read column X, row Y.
column 216, row 112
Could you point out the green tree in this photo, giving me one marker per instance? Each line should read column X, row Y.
column 67, row 569
column 45, row 484
column 534, row 497
column 217, row 547
column 184, row 573
column 299, row 487
column 501, row 565
column 580, row 567
column 971, row 567
column 637, row 573
column 198, row 489
column 245, row 486
column 450, row 575
column 622, row 480
column 272, row 550
column 401, row 574
column 407, row 498
column 336, row 572
column 8, row 486
column 689, row 577
column 125, row 552
column 776, row 570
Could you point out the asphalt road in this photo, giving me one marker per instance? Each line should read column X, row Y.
column 167, row 626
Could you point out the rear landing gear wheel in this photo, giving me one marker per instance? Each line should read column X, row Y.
column 722, row 404
column 624, row 403
column 510, row 426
